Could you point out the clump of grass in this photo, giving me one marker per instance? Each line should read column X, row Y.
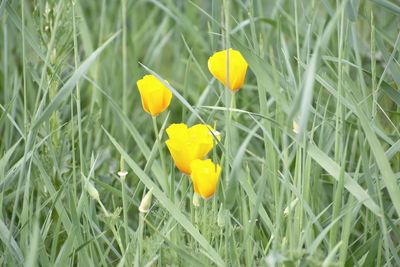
column 326, row 194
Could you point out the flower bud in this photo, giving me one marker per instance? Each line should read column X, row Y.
column 122, row 175
column 291, row 206
column 217, row 65
column 92, row 191
column 196, row 200
column 146, row 202
column 296, row 127
column 155, row 96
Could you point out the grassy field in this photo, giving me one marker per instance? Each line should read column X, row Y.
column 324, row 193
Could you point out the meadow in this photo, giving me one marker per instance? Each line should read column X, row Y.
column 305, row 148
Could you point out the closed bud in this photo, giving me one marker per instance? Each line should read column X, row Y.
column 155, row 96
column 296, row 127
column 217, row 65
column 146, row 202
column 290, row 206
column 47, row 9
column 122, row 175
column 92, row 191
column 196, row 200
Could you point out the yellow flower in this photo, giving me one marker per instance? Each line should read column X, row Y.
column 237, row 68
column 187, row 144
column 205, row 176
column 155, row 96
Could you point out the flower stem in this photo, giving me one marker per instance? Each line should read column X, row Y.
column 139, row 248
column 232, row 105
column 112, row 227
column 125, row 210
column 228, row 129
column 161, row 153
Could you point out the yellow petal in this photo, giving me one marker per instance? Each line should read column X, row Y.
column 167, row 98
column 204, row 140
column 177, row 131
column 155, row 103
column 154, row 95
column 195, row 187
column 201, row 130
column 237, row 68
column 205, row 176
column 187, row 144
column 181, row 155
column 143, row 94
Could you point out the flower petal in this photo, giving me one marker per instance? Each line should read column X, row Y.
column 188, row 144
column 205, row 176
column 177, row 131
column 154, row 95
column 156, row 102
column 217, row 64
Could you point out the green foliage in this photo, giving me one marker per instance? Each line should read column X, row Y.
column 70, row 114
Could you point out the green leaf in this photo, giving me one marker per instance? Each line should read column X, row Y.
column 382, row 161
column 388, row 5
column 65, row 91
column 352, row 186
column 10, row 243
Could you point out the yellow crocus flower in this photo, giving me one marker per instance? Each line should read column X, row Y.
column 205, row 176
column 155, row 96
column 237, row 68
column 187, row 144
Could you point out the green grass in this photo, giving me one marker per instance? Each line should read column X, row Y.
column 71, row 118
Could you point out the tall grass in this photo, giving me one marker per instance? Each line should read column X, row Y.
column 71, row 119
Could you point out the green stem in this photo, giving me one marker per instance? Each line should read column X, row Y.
column 228, row 129
column 139, row 249
column 112, row 227
column 125, row 209
column 232, row 106
column 338, row 189
column 78, row 96
column 23, row 67
column 161, row 153
column 228, row 95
